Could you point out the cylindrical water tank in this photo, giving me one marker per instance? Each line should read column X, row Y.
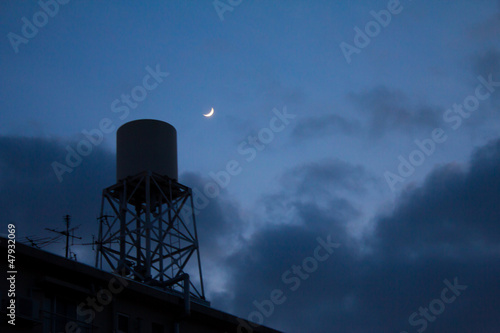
column 146, row 145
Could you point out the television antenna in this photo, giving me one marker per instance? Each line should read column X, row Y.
column 68, row 233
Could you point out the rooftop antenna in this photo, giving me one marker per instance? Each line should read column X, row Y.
column 32, row 242
column 40, row 242
column 69, row 233
column 95, row 244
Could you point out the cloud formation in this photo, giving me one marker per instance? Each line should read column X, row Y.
column 32, row 197
column 324, row 125
column 390, row 110
column 444, row 230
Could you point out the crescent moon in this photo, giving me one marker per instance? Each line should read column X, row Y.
column 210, row 113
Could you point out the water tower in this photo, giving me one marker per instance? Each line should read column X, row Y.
column 147, row 228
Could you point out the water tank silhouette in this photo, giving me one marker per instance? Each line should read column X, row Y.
column 146, row 145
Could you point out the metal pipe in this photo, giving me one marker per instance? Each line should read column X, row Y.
column 187, row 293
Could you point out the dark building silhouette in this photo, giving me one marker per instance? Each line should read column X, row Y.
column 54, row 294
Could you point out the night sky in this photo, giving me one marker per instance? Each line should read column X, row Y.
column 365, row 134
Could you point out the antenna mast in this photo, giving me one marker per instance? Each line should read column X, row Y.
column 68, row 233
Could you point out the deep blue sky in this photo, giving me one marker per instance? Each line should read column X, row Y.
column 326, row 172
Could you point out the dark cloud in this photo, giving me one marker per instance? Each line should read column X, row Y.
column 453, row 214
column 317, row 211
column 446, row 229
column 386, row 111
column 219, row 223
column 390, row 110
column 330, row 173
column 485, row 64
column 31, row 195
column 324, row 125
column 306, row 188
